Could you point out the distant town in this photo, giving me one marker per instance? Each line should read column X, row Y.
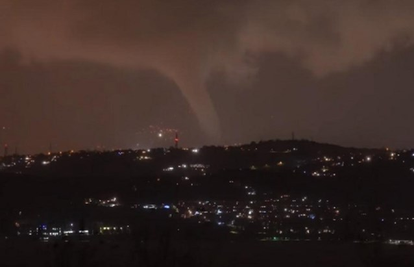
column 274, row 191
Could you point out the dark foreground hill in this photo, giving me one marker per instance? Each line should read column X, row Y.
column 127, row 253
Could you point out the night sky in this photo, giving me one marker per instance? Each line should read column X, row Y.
column 83, row 74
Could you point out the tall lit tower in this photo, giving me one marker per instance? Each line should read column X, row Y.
column 176, row 140
column 6, row 150
column 50, row 149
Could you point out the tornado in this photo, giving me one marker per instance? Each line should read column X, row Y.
column 192, row 84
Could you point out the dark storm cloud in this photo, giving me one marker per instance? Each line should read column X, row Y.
column 179, row 38
column 330, row 36
column 190, row 42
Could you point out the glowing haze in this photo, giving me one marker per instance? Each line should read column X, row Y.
column 193, row 42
